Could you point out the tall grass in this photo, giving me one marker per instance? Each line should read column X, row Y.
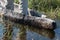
column 53, row 13
column 50, row 7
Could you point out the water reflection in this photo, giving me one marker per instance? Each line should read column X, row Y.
column 8, row 29
column 22, row 31
column 8, row 34
column 44, row 32
column 21, row 35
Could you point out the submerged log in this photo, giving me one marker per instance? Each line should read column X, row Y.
column 32, row 21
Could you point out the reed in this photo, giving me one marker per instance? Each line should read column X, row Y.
column 50, row 7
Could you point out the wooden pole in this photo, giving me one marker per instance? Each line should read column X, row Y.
column 24, row 7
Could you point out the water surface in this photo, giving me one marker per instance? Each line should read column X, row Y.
column 15, row 31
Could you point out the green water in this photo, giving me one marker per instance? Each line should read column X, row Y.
column 15, row 31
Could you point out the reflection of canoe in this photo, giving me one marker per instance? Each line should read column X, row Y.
column 43, row 32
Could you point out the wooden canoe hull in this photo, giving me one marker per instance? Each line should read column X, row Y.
column 31, row 22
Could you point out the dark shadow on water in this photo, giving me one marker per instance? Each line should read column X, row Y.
column 44, row 32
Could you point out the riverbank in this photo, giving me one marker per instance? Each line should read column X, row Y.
column 53, row 13
column 49, row 7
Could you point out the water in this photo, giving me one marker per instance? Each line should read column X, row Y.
column 15, row 31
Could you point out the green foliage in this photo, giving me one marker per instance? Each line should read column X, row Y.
column 16, row 1
column 50, row 7
column 44, row 4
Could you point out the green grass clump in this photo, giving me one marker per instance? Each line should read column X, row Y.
column 50, row 7
column 16, row 1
